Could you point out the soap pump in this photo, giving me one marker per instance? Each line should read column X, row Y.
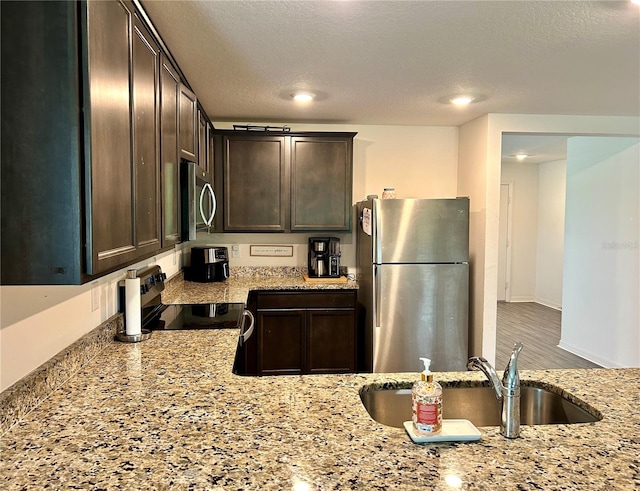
column 426, row 400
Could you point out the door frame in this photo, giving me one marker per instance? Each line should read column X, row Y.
column 509, row 240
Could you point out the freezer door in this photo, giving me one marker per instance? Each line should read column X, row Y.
column 420, row 311
column 420, row 230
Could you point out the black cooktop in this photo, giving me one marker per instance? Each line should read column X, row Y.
column 198, row 316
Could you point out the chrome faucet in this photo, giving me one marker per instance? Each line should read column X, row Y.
column 507, row 391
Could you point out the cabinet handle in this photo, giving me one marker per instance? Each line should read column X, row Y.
column 244, row 336
column 207, row 188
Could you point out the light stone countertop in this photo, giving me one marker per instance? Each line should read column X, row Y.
column 236, row 288
column 167, row 413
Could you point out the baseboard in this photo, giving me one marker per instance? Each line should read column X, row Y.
column 548, row 303
column 598, row 360
column 551, row 305
column 514, row 299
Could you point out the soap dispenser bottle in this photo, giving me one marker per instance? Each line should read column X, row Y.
column 426, row 399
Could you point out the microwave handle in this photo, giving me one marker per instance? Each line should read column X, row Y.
column 207, row 188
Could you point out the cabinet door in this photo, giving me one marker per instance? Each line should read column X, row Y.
column 170, row 95
column 110, row 218
column 145, row 111
column 321, row 183
column 330, row 341
column 187, row 128
column 255, row 177
column 211, row 155
column 203, row 143
column 41, row 176
column 281, row 342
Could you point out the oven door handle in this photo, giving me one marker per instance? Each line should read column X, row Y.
column 246, row 334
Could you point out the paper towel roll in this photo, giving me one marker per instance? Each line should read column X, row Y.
column 132, row 318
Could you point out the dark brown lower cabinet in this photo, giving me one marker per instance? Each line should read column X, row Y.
column 303, row 332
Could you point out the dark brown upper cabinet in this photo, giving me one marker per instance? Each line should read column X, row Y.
column 80, row 141
column 293, row 182
column 146, row 146
column 108, row 136
column 321, row 183
column 203, row 143
column 256, row 172
column 169, row 153
column 188, row 124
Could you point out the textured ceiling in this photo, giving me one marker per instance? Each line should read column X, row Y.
column 539, row 148
column 393, row 62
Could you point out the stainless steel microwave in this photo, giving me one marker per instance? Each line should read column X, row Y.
column 198, row 201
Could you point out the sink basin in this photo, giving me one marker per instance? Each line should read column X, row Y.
column 538, row 406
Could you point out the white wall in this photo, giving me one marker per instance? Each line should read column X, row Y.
column 600, row 319
column 473, row 175
column 537, row 234
column 550, row 240
column 38, row 322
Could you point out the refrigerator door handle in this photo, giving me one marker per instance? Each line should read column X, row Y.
column 376, row 295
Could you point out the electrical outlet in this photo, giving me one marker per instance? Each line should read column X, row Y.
column 95, row 296
column 235, row 250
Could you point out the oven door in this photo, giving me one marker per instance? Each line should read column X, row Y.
column 198, row 201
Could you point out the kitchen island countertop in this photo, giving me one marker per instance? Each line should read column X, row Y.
column 168, row 413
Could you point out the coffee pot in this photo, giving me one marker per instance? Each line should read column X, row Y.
column 324, row 257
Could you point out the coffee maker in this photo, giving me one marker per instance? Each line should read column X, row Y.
column 324, row 257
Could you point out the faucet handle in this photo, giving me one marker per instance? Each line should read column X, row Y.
column 511, row 378
column 475, row 361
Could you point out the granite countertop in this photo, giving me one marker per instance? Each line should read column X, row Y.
column 243, row 280
column 167, row 413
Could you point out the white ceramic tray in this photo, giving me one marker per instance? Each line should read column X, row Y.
column 453, row 430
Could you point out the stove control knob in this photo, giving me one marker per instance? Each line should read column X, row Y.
column 144, row 288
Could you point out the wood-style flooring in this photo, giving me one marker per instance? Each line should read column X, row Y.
column 538, row 328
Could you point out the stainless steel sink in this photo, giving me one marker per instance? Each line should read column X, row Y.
column 538, row 406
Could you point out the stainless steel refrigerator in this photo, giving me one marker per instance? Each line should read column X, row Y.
column 413, row 280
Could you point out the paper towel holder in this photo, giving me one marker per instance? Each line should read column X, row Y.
column 126, row 338
column 144, row 333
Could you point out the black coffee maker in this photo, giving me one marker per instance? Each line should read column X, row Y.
column 324, row 257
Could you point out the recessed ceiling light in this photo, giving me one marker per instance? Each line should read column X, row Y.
column 521, row 156
column 461, row 100
column 303, row 96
